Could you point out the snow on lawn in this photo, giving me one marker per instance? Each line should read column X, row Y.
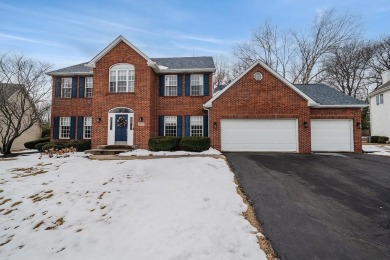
column 142, row 152
column 75, row 208
column 377, row 149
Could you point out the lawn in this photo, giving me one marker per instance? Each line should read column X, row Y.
column 75, row 208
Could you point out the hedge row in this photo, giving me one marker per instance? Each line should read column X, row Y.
column 379, row 139
column 32, row 144
column 79, row 145
column 173, row 143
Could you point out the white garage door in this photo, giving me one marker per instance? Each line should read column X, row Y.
column 263, row 135
column 333, row 135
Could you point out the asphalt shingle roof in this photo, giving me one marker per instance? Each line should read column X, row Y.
column 325, row 95
column 383, row 86
column 186, row 62
column 79, row 68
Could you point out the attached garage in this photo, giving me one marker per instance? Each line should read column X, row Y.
column 259, row 135
column 332, row 135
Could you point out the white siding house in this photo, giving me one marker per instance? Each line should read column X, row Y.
column 380, row 108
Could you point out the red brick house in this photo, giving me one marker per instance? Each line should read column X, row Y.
column 124, row 97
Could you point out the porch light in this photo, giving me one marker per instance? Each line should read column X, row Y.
column 215, row 125
column 305, row 124
column 98, row 119
column 358, row 125
column 140, row 119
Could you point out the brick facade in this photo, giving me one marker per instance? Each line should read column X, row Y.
column 271, row 98
column 247, row 98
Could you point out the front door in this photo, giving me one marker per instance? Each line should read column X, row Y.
column 121, row 126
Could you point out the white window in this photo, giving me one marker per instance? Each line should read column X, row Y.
column 257, row 76
column 196, row 85
column 87, row 131
column 66, row 87
column 379, row 99
column 88, row 86
column 170, row 126
column 64, row 127
column 171, row 85
column 122, row 78
column 196, row 126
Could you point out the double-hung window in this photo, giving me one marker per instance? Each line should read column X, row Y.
column 170, row 126
column 66, row 87
column 196, row 125
column 170, row 85
column 122, row 78
column 379, row 99
column 88, row 86
column 196, row 85
column 64, row 127
column 87, row 131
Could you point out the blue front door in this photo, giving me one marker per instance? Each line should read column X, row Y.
column 121, row 126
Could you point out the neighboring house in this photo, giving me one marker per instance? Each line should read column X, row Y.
column 10, row 91
column 380, row 107
column 124, row 97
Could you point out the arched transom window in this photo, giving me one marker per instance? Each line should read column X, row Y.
column 122, row 78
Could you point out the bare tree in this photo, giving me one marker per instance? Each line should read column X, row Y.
column 346, row 68
column 328, row 32
column 381, row 60
column 24, row 94
column 223, row 73
column 269, row 45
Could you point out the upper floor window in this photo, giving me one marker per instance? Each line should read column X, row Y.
column 66, row 87
column 379, row 99
column 196, row 125
column 170, row 126
column 196, row 85
column 64, row 127
column 88, row 86
column 171, row 85
column 87, row 131
column 122, row 78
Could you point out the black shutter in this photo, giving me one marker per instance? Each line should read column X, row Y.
column 74, row 87
column 180, row 84
column 161, row 125
column 205, row 84
column 81, row 86
column 187, row 125
column 188, row 83
column 179, row 125
column 161, row 85
column 72, row 127
column 56, row 127
column 57, row 90
column 205, row 125
column 80, row 127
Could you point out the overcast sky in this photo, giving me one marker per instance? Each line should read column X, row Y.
column 70, row 32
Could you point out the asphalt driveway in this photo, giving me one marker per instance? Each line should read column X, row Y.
column 334, row 206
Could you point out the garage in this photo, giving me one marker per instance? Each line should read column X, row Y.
column 259, row 135
column 331, row 135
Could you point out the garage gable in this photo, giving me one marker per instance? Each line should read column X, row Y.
column 258, row 76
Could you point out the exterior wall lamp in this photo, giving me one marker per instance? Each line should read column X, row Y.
column 215, row 125
column 305, row 124
column 98, row 120
column 140, row 119
column 358, row 125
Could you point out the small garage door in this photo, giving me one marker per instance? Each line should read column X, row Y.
column 263, row 135
column 333, row 135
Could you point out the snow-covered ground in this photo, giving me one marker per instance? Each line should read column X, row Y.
column 377, row 149
column 75, row 208
column 142, row 152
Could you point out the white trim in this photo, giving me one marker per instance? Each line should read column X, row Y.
column 130, row 127
column 311, row 102
column 341, row 106
column 379, row 91
column 120, row 38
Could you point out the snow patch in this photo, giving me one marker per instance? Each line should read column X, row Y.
column 142, row 152
column 377, row 149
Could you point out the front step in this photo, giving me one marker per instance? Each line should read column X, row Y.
column 110, row 149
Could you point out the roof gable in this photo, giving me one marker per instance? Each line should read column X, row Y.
column 119, row 39
column 9, row 89
column 310, row 101
column 382, row 88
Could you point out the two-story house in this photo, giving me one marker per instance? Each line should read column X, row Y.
column 122, row 96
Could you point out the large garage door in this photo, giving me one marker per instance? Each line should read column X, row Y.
column 264, row 135
column 333, row 135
